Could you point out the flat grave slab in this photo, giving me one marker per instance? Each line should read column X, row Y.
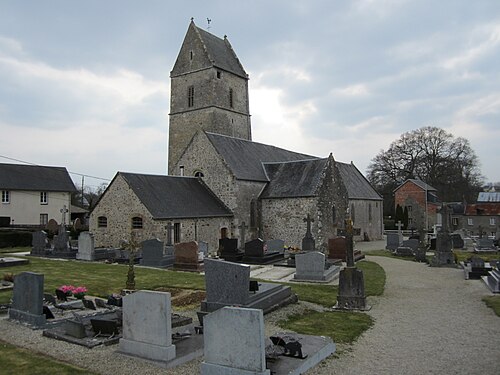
column 12, row 261
column 317, row 349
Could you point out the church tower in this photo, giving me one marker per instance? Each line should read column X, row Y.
column 209, row 91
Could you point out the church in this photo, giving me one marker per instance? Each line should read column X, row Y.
column 222, row 184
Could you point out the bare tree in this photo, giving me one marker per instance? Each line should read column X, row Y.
column 431, row 154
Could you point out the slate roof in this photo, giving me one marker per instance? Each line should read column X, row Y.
column 221, row 53
column 293, row 179
column 488, row 197
column 35, row 177
column 419, row 183
column 245, row 158
column 356, row 184
column 169, row 197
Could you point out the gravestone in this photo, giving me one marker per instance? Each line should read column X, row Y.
column 27, row 300
column 394, row 240
column 256, row 252
column 443, row 255
column 203, row 248
column 485, row 245
column 312, row 266
column 337, row 249
column 308, row 243
column 62, row 247
column 187, row 257
column 475, row 268
column 86, row 246
column 457, row 241
column 40, row 244
column 52, row 226
column 228, row 284
column 492, row 280
column 351, row 295
column 276, row 246
column 407, row 248
column 234, row 342
column 153, row 254
column 228, row 250
column 243, row 228
column 147, row 326
column 421, row 251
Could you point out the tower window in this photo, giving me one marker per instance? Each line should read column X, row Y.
column 218, row 74
column 190, row 55
column 137, row 222
column 190, row 96
column 102, row 222
column 231, row 98
column 199, row 174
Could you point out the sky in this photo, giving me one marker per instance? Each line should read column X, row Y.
column 86, row 84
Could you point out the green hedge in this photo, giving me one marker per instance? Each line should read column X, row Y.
column 15, row 239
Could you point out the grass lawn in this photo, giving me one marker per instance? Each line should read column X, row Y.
column 101, row 279
column 14, row 361
column 462, row 255
column 342, row 327
column 493, row 302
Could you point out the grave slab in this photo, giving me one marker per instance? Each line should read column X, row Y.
column 12, row 261
column 312, row 266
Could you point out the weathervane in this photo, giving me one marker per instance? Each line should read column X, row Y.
column 208, row 21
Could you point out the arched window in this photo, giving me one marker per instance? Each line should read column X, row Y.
column 199, row 174
column 102, row 222
column 137, row 222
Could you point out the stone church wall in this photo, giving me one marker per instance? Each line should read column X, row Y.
column 119, row 205
column 283, row 219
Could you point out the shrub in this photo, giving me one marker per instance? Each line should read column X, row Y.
column 15, row 239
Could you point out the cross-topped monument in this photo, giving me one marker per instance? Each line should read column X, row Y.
column 399, row 224
column 308, row 243
column 63, row 212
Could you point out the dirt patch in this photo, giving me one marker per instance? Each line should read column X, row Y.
column 184, row 297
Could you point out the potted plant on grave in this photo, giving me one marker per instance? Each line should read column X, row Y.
column 79, row 292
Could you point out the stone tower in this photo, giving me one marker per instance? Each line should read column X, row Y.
column 209, row 91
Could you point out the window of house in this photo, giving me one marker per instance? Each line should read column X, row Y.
column 410, row 221
column 469, row 221
column 177, row 232
column 231, row 98
column 43, row 197
column 218, row 74
column 198, row 174
column 102, row 222
column 137, row 222
column 410, row 208
column 454, row 221
column 190, row 96
column 492, row 221
column 5, row 196
column 190, row 55
column 44, row 219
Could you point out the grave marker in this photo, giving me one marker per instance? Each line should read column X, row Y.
column 27, row 304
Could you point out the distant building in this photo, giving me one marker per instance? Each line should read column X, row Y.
column 32, row 195
column 421, row 201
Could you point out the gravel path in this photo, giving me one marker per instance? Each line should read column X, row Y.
column 429, row 321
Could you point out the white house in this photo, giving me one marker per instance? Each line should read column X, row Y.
column 32, row 195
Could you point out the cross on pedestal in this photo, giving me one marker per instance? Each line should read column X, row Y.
column 169, row 227
column 308, row 220
column 399, row 224
column 63, row 212
column 242, row 227
column 350, row 248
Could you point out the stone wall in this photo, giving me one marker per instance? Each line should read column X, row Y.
column 368, row 216
column 283, row 219
column 119, row 205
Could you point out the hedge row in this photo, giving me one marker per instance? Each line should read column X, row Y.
column 15, row 239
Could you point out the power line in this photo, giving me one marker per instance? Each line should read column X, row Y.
column 38, row 165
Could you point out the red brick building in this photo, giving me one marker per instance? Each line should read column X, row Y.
column 421, row 201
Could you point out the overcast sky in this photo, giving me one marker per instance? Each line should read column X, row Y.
column 86, row 84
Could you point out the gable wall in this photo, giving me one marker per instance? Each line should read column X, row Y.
column 372, row 224
column 409, row 192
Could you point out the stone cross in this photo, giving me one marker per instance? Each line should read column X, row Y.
column 308, row 220
column 444, row 218
column 169, row 229
column 350, row 247
column 242, row 227
column 63, row 212
column 399, row 224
